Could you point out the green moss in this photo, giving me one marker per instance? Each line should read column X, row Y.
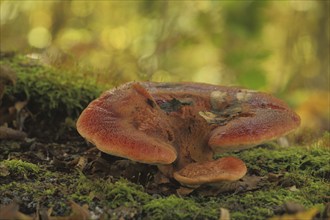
column 173, row 207
column 35, row 188
column 58, row 188
column 262, row 203
column 306, row 169
column 266, row 159
column 125, row 192
column 121, row 192
column 53, row 94
column 20, row 168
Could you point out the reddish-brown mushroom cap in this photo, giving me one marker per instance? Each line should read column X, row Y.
column 123, row 122
column 223, row 169
column 159, row 123
column 265, row 118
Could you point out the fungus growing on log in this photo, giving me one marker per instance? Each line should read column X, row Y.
column 180, row 126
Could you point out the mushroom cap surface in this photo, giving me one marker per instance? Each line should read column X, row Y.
column 122, row 123
column 223, row 169
column 262, row 118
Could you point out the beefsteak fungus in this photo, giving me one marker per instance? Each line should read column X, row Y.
column 180, row 126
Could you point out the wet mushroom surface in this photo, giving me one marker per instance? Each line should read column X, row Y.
column 181, row 126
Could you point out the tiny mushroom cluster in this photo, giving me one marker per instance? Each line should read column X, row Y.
column 180, row 126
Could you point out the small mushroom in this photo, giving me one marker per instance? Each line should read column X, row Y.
column 223, row 169
column 180, row 126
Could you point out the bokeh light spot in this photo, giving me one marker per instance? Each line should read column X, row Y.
column 70, row 37
column 208, row 74
column 39, row 37
column 117, row 38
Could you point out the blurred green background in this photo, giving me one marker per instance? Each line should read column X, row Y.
column 281, row 47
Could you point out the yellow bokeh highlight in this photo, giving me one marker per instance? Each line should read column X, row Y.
column 39, row 37
column 70, row 37
column 117, row 38
column 208, row 74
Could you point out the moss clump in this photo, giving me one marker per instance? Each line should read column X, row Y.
column 123, row 199
column 48, row 188
column 265, row 159
column 121, row 192
column 50, row 90
column 125, row 193
column 303, row 178
column 265, row 202
column 20, row 168
column 173, row 207
column 53, row 95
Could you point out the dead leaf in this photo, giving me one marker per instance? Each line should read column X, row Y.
column 82, row 163
column 274, row 177
column 21, row 114
column 306, row 215
column 19, row 105
column 293, row 188
column 9, row 133
column 160, row 178
column 224, row 214
column 43, row 213
column 251, row 182
column 7, row 115
column 4, row 170
column 78, row 213
column 11, row 211
column 184, row 191
column 292, row 208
